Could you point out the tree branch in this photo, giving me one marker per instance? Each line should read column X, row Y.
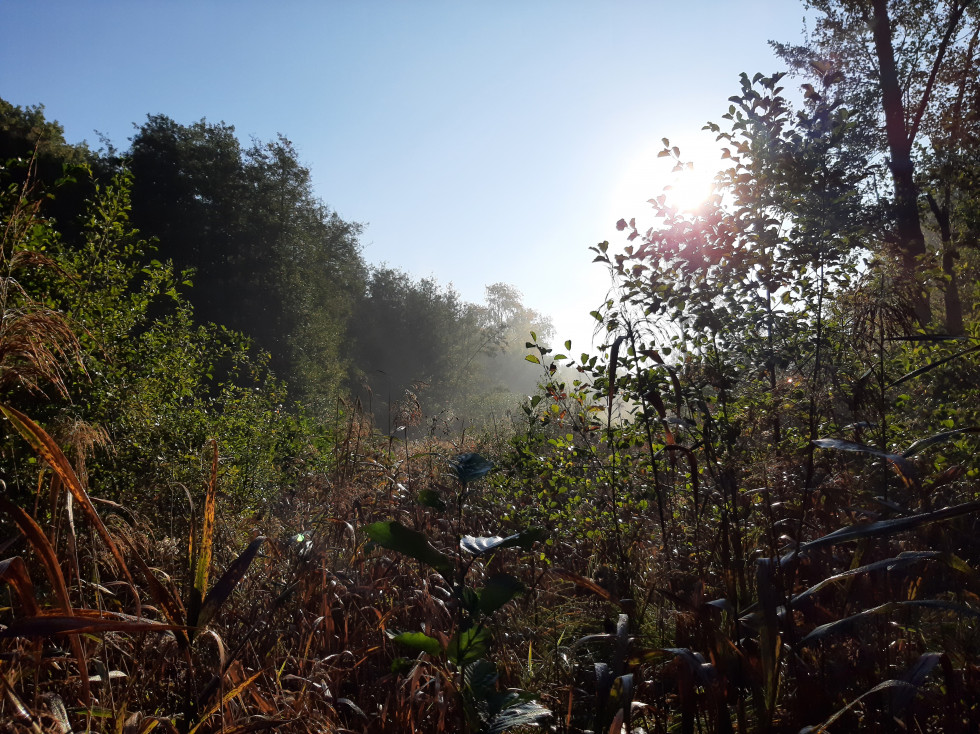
column 954, row 20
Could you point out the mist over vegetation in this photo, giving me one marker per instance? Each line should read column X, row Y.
column 255, row 482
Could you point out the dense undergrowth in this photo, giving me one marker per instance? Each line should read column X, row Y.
column 755, row 509
column 747, row 605
column 662, row 546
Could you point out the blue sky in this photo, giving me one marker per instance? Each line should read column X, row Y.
column 478, row 141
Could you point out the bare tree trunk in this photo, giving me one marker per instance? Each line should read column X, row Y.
column 953, row 304
column 911, row 243
column 951, row 293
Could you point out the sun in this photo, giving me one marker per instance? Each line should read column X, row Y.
column 646, row 174
column 689, row 188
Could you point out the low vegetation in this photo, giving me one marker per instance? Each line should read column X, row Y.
column 754, row 509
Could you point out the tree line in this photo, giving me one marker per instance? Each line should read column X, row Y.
column 259, row 253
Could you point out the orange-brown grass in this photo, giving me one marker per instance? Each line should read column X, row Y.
column 300, row 642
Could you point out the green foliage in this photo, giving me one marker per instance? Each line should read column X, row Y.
column 483, row 708
column 270, row 259
column 764, row 433
column 151, row 386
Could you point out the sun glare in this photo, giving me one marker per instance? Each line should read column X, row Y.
column 647, row 176
column 689, row 188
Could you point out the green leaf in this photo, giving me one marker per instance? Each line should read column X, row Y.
column 479, row 546
column 431, row 498
column 499, row 589
column 532, row 358
column 395, row 536
column 468, row 646
column 470, row 467
column 417, row 641
column 401, row 665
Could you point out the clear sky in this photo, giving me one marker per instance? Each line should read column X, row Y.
column 479, row 141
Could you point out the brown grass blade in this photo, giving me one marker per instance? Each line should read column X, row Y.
column 585, row 583
column 172, row 607
column 224, row 699
column 256, row 726
column 173, row 610
column 19, row 710
column 47, row 624
column 42, row 546
column 49, row 451
column 202, row 562
column 14, row 572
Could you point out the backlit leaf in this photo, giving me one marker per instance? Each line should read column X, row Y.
column 418, row 641
column 468, row 646
column 478, row 546
column 525, row 713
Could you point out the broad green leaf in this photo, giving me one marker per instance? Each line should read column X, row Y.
column 431, row 498
column 395, row 536
column 470, row 467
column 418, row 641
column 478, row 546
column 401, row 665
column 468, row 646
column 499, row 590
column 469, row 600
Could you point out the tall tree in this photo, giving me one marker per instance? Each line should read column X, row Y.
column 887, row 61
column 271, row 259
column 507, row 325
column 414, row 336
